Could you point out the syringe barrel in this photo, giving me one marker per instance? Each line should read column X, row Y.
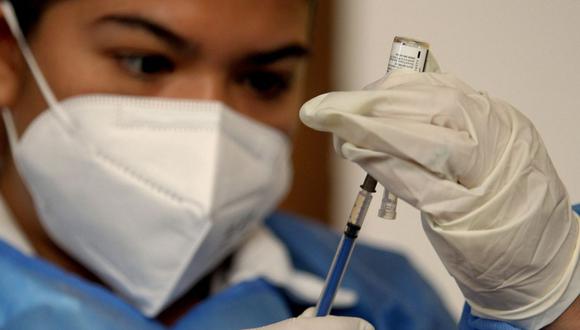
column 360, row 208
column 345, row 248
column 337, row 270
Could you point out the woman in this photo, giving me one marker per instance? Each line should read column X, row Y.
column 143, row 189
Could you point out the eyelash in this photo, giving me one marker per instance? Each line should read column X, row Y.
column 145, row 65
column 266, row 84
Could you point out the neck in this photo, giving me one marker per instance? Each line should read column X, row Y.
column 176, row 310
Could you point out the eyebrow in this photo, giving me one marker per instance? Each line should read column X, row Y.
column 178, row 43
column 268, row 57
column 167, row 36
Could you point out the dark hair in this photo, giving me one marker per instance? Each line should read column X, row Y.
column 30, row 11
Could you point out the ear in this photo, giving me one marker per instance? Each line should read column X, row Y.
column 11, row 65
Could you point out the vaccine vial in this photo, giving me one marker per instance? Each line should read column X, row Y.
column 406, row 54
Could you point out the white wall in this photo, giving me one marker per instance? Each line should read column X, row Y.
column 524, row 51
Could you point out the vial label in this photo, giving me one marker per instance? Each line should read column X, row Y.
column 405, row 56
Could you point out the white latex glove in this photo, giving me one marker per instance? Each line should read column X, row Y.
column 491, row 201
column 307, row 321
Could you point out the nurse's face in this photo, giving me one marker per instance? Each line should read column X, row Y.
column 249, row 54
column 246, row 53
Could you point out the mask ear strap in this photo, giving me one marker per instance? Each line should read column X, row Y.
column 10, row 129
column 12, row 21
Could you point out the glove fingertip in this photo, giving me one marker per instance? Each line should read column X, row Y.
column 309, row 312
column 309, row 110
column 364, row 325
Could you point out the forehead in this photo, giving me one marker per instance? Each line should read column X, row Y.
column 255, row 23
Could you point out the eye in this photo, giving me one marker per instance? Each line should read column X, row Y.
column 267, row 85
column 146, row 64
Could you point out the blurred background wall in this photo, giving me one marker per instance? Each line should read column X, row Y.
column 524, row 51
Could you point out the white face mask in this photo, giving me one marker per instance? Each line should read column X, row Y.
column 150, row 194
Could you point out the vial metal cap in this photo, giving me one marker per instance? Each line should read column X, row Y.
column 411, row 42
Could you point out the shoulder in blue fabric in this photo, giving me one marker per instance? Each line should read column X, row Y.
column 37, row 295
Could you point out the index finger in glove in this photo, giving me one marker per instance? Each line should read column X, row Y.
column 420, row 119
column 414, row 184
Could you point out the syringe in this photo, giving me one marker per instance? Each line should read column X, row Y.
column 406, row 54
column 346, row 246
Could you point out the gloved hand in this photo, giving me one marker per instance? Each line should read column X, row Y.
column 491, row 201
column 307, row 321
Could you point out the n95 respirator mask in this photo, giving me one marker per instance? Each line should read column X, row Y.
column 148, row 193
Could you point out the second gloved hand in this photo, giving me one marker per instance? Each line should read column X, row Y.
column 491, row 201
column 307, row 321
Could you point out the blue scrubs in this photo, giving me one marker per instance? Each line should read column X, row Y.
column 35, row 294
